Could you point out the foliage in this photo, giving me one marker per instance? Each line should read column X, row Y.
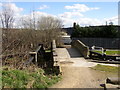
column 24, row 79
column 98, row 31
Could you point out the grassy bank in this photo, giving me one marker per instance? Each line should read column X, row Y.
column 111, row 52
column 110, row 69
column 13, row 78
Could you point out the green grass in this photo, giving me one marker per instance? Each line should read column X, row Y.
column 47, row 50
column 24, row 79
column 111, row 52
column 105, row 68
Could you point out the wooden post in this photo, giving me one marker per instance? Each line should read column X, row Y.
column 54, row 45
column 34, row 54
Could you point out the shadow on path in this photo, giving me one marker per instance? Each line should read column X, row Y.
column 73, row 52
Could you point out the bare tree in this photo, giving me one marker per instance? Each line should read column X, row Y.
column 26, row 23
column 49, row 22
column 7, row 16
column 51, row 27
column 48, row 26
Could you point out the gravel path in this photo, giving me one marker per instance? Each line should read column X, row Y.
column 76, row 72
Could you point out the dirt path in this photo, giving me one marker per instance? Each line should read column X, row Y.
column 80, row 77
column 76, row 72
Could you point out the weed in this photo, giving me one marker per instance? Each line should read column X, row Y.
column 24, row 79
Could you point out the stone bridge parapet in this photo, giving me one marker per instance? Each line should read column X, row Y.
column 84, row 50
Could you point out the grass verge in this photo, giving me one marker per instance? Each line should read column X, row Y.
column 13, row 78
column 111, row 69
column 111, row 52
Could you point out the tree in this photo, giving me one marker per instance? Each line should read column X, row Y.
column 48, row 26
column 7, row 16
column 27, row 23
column 49, row 22
column 109, row 31
column 51, row 27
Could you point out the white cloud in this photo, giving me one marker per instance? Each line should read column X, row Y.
column 36, row 15
column 68, row 18
column 43, row 7
column 85, row 21
column 12, row 6
column 16, row 11
column 75, row 15
column 80, row 8
column 89, row 21
column 68, row 22
column 0, row 4
column 113, row 19
column 70, row 14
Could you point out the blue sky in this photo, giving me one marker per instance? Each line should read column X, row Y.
column 107, row 9
column 84, row 13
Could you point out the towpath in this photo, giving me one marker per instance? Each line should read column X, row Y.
column 76, row 72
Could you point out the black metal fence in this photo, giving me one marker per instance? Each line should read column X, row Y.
column 103, row 57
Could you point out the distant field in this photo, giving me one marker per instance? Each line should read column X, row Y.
column 110, row 52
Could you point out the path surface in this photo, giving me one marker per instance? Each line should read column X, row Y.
column 76, row 72
column 72, row 58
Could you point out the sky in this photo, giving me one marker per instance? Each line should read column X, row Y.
column 83, row 13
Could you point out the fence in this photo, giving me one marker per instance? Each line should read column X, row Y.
column 108, row 43
column 36, row 56
column 98, row 56
column 45, row 59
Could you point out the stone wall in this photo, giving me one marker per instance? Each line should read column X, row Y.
column 56, row 63
column 108, row 43
column 84, row 50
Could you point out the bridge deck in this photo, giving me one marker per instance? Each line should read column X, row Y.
column 72, row 57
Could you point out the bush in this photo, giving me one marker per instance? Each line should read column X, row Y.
column 25, row 79
column 21, row 42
